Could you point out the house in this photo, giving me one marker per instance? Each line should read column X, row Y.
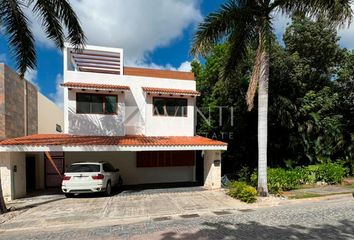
column 23, row 111
column 140, row 120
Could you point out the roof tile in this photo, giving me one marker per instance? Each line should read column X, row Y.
column 136, row 140
column 94, row 86
column 171, row 91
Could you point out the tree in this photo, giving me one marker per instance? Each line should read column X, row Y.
column 245, row 23
column 53, row 14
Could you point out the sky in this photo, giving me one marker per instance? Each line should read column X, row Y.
column 154, row 34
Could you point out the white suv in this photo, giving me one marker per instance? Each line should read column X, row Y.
column 90, row 177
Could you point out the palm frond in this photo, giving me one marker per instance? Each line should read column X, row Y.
column 219, row 25
column 338, row 11
column 65, row 12
column 50, row 20
column 15, row 24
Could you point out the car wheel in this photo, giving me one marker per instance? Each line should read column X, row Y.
column 108, row 189
column 69, row 195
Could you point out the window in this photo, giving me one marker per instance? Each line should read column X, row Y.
column 172, row 107
column 83, row 168
column 165, row 159
column 96, row 103
column 108, row 168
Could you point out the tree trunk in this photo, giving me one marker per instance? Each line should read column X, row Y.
column 263, row 124
column 3, row 208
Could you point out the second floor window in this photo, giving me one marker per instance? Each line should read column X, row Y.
column 172, row 107
column 96, row 103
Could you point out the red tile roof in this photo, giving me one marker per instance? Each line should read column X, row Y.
column 158, row 73
column 76, row 140
column 170, row 91
column 94, row 86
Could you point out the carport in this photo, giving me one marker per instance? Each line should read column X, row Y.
column 141, row 159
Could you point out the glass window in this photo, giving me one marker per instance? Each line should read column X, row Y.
column 173, row 107
column 96, row 103
column 83, row 103
column 111, row 104
column 108, row 168
column 83, row 168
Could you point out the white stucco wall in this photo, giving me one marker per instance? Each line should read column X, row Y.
column 212, row 172
column 95, row 124
column 169, row 126
column 138, row 118
column 49, row 115
column 13, row 183
column 126, row 162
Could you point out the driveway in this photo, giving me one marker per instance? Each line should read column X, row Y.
column 54, row 210
column 319, row 218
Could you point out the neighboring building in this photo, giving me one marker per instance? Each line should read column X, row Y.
column 140, row 120
column 23, row 111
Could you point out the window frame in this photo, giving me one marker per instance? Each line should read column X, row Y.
column 103, row 96
column 165, row 110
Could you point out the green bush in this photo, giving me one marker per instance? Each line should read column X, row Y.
column 244, row 174
column 331, row 173
column 280, row 179
column 242, row 191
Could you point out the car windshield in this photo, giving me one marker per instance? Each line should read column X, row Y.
column 83, row 168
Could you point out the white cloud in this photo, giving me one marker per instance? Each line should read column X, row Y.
column 185, row 67
column 281, row 22
column 347, row 35
column 138, row 26
column 31, row 76
column 58, row 96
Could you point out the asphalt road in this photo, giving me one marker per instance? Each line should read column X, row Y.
column 318, row 219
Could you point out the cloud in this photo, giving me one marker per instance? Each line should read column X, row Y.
column 31, row 76
column 58, row 96
column 137, row 26
column 346, row 33
column 184, row 66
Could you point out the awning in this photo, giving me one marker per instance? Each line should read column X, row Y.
column 91, row 86
column 78, row 143
column 171, row 91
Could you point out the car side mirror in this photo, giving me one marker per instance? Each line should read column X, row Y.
column 117, row 169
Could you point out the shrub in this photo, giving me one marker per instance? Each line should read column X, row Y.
column 283, row 180
column 244, row 174
column 330, row 173
column 242, row 191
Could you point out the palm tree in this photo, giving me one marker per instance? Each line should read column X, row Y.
column 54, row 15
column 245, row 23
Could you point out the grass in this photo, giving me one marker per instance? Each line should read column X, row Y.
column 312, row 195
column 304, row 195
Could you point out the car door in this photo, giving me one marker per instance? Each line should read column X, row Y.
column 115, row 174
column 108, row 174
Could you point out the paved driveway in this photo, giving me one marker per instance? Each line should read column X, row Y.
column 127, row 207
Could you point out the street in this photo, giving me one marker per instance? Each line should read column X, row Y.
column 320, row 218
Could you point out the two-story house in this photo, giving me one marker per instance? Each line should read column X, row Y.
column 140, row 120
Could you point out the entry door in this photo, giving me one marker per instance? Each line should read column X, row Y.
column 30, row 174
column 52, row 178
